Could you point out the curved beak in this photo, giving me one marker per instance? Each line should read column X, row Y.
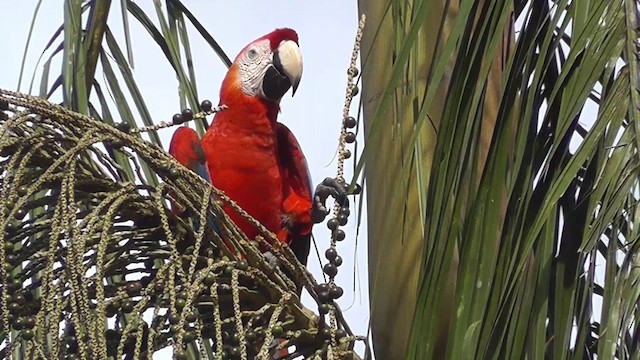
column 288, row 60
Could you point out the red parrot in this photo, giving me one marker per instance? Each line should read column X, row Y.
column 250, row 156
column 253, row 158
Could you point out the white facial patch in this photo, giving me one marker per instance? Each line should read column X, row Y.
column 253, row 64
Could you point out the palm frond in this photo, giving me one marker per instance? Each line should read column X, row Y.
column 522, row 201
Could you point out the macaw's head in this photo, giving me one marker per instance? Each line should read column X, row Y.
column 267, row 67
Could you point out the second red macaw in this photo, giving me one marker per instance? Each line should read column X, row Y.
column 247, row 153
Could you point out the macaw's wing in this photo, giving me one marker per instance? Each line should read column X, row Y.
column 297, row 201
column 185, row 147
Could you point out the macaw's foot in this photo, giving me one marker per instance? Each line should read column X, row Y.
column 328, row 187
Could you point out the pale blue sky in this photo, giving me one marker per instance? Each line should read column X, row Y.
column 326, row 30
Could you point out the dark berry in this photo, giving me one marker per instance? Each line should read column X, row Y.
column 27, row 334
column 324, row 309
column 29, row 322
column 250, row 336
column 12, row 259
column 209, row 279
column 22, row 190
column 322, row 287
column 345, row 210
column 187, row 115
column 323, row 297
column 342, row 219
column 350, row 122
column 15, row 308
column 350, row 137
column 330, row 269
column 127, row 306
column 180, row 304
column 336, row 292
column 20, row 214
column 174, row 173
column 173, row 319
column 331, row 254
column 206, row 105
column 112, row 309
column 177, row 119
column 339, row 235
column 337, row 261
column 277, row 330
column 332, row 224
column 158, row 287
column 134, row 288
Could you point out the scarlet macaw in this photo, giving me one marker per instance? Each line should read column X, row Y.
column 250, row 156
column 254, row 159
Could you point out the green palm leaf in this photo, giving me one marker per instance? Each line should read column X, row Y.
column 518, row 218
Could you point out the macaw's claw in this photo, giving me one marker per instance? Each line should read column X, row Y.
column 328, row 187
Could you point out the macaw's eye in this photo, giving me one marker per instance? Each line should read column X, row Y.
column 252, row 54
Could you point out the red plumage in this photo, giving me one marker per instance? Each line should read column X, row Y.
column 257, row 161
column 184, row 146
column 279, row 35
column 250, row 156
